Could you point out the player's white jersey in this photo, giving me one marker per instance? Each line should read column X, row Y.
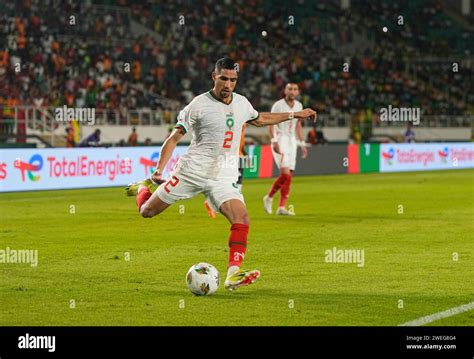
column 286, row 128
column 216, row 129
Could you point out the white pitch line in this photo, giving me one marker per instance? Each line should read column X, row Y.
column 431, row 318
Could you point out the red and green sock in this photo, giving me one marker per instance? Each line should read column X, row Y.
column 237, row 245
column 276, row 185
column 143, row 195
column 285, row 190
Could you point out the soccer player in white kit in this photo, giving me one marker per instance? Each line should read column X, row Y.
column 210, row 165
column 285, row 138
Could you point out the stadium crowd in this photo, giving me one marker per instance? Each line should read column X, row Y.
column 98, row 60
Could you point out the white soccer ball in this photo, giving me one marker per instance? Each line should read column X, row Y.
column 202, row 279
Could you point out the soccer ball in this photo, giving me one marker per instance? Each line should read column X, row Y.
column 202, row 279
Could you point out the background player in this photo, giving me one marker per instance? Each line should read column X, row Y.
column 285, row 138
column 210, row 165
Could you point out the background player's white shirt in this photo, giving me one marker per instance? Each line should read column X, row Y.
column 216, row 129
column 286, row 128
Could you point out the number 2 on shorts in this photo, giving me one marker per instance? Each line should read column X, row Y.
column 172, row 182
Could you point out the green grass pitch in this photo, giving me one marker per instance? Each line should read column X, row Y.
column 409, row 256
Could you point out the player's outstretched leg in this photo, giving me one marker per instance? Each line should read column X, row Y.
column 132, row 188
column 149, row 205
column 234, row 210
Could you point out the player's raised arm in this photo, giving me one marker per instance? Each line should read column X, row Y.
column 270, row 118
column 166, row 152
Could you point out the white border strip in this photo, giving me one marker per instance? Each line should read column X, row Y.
column 440, row 315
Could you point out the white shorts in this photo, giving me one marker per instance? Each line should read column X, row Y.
column 185, row 185
column 288, row 149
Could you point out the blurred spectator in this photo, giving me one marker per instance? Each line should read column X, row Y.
column 311, row 137
column 316, row 136
column 70, row 138
column 133, row 138
column 320, row 139
column 409, row 134
column 148, row 141
column 93, row 140
column 355, row 136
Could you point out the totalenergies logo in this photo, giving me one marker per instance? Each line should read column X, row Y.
column 150, row 163
column 34, row 165
column 389, row 155
column 444, row 154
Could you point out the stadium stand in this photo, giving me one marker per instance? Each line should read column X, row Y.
column 138, row 64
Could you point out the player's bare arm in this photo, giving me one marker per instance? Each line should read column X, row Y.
column 271, row 118
column 167, row 150
column 301, row 142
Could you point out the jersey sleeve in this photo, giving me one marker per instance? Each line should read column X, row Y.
column 252, row 113
column 187, row 116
